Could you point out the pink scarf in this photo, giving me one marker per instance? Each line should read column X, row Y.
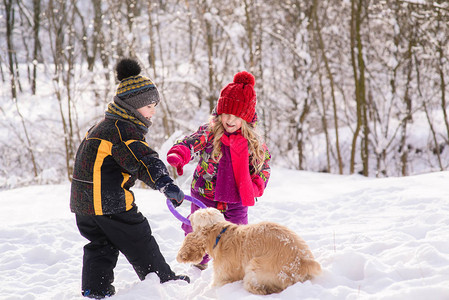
column 240, row 166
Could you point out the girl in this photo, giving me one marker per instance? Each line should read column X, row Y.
column 233, row 167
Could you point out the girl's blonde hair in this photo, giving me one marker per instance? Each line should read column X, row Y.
column 255, row 147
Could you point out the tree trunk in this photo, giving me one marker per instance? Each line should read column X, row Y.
column 63, row 60
column 36, row 46
column 324, row 122
column 434, row 137
column 250, row 32
column 358, row 65
column 442, row 57
column 408, row 107
column 152, row 52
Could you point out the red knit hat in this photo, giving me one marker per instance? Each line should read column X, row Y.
column 239, row 98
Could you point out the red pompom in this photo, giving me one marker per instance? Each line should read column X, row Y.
column 245, row 78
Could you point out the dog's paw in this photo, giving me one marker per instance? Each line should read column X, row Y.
column 182, row 257
column 186, row 257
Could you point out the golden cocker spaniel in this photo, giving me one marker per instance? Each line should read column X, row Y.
column 268, row 257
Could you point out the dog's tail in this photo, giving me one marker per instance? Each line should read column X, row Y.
column 310, row 268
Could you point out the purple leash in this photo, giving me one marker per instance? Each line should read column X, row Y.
column 178, row 215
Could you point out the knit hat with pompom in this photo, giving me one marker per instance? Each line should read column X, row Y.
column 238, row 98
column 134, row 90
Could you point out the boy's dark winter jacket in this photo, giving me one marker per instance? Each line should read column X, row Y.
column 109, row 160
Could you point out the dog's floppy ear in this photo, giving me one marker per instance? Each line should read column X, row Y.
column 205, row 217
column 193, row 248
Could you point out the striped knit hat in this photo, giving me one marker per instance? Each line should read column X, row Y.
column 135, row 90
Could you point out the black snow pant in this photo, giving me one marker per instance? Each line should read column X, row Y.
column 128, row 232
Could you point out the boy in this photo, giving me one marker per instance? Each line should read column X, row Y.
column 111, row 157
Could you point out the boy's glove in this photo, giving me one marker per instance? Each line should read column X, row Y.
column 174, row 193
column 166, row 186
column 178, row 156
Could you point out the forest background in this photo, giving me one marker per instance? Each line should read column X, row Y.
column 343, row 86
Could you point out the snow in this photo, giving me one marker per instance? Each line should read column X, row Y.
column 375, row 239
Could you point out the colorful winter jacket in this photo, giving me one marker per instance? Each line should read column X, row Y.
column 204, row 180
column 111, row 157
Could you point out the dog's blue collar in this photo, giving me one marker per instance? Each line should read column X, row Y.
column 219, row 236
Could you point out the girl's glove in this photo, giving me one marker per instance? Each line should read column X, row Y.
column 238, row 144
column 258, row 185
column 178, row 156
column 176, row 161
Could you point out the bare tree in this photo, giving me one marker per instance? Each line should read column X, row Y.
column 61, row 32
column 10, row 18
column 334, row 79
column 358, row 65
column 442, row 18
column 330, row 76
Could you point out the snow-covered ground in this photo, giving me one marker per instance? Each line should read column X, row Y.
column 375, row 239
